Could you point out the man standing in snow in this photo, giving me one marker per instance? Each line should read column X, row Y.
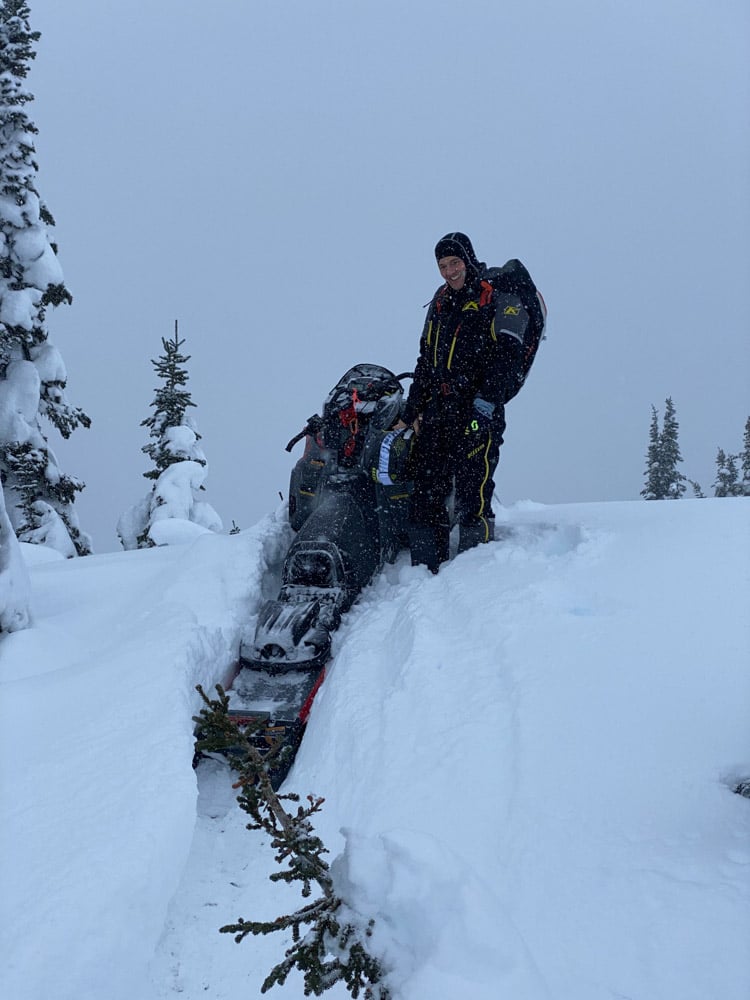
column 471, row 362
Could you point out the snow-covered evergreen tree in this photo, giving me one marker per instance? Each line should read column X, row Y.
column 727, row 479
column 654, row 487
column 669, row 453
column 180, row 467
column 170, row 406
column 664, row 481
column 39, row 497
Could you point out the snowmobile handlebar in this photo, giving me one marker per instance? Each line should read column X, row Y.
column 315, row 423
column 313, row 426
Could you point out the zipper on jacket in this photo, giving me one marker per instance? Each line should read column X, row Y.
column 453, row 347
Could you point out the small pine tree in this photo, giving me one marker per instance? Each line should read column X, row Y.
column 330, row 942
column 727, row 482
column 180, row 466
column 32, row 374
column 170, row 405
column 654, row 487
column 669, row 447
column 664, row 481
column 733, row 471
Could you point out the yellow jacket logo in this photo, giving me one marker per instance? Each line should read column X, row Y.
column 511, row 311
column 471, row 306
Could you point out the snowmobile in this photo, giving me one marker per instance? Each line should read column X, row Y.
column 348, row 501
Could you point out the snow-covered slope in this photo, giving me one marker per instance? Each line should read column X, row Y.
column 527, row 759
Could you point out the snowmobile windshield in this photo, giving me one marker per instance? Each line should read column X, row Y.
column 369, row 382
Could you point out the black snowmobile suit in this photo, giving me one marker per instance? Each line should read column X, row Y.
column 471, row 347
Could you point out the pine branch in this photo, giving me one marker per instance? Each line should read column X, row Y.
column 329, row 944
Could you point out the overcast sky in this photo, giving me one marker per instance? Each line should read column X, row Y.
column 275, row 177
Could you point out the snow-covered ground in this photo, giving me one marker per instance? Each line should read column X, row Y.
column 527, row 762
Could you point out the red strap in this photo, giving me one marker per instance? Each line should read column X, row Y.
column 349, row 419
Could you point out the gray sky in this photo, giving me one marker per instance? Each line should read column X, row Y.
column 275, row 177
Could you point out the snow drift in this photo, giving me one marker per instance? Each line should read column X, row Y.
column 528, row 764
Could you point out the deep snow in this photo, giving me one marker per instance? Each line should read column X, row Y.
column 530, row 756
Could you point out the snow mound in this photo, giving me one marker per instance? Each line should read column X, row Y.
column 528, row 764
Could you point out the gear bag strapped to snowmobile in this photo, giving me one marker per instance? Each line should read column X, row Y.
column 366, row 400
column 513, row 279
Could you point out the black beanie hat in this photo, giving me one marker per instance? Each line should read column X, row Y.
column 457, row 245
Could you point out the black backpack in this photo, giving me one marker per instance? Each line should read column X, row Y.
column 513, row 279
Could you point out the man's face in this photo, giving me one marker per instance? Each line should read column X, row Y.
column 453, row 270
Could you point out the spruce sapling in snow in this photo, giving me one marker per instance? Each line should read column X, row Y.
column 727, row 482
column 180, row 467
column 733, row 471
column 330, row 940
column 39, row 497
column 171, row 401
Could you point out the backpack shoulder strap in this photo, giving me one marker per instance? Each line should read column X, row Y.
column 486, row 292
column 437, row 299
